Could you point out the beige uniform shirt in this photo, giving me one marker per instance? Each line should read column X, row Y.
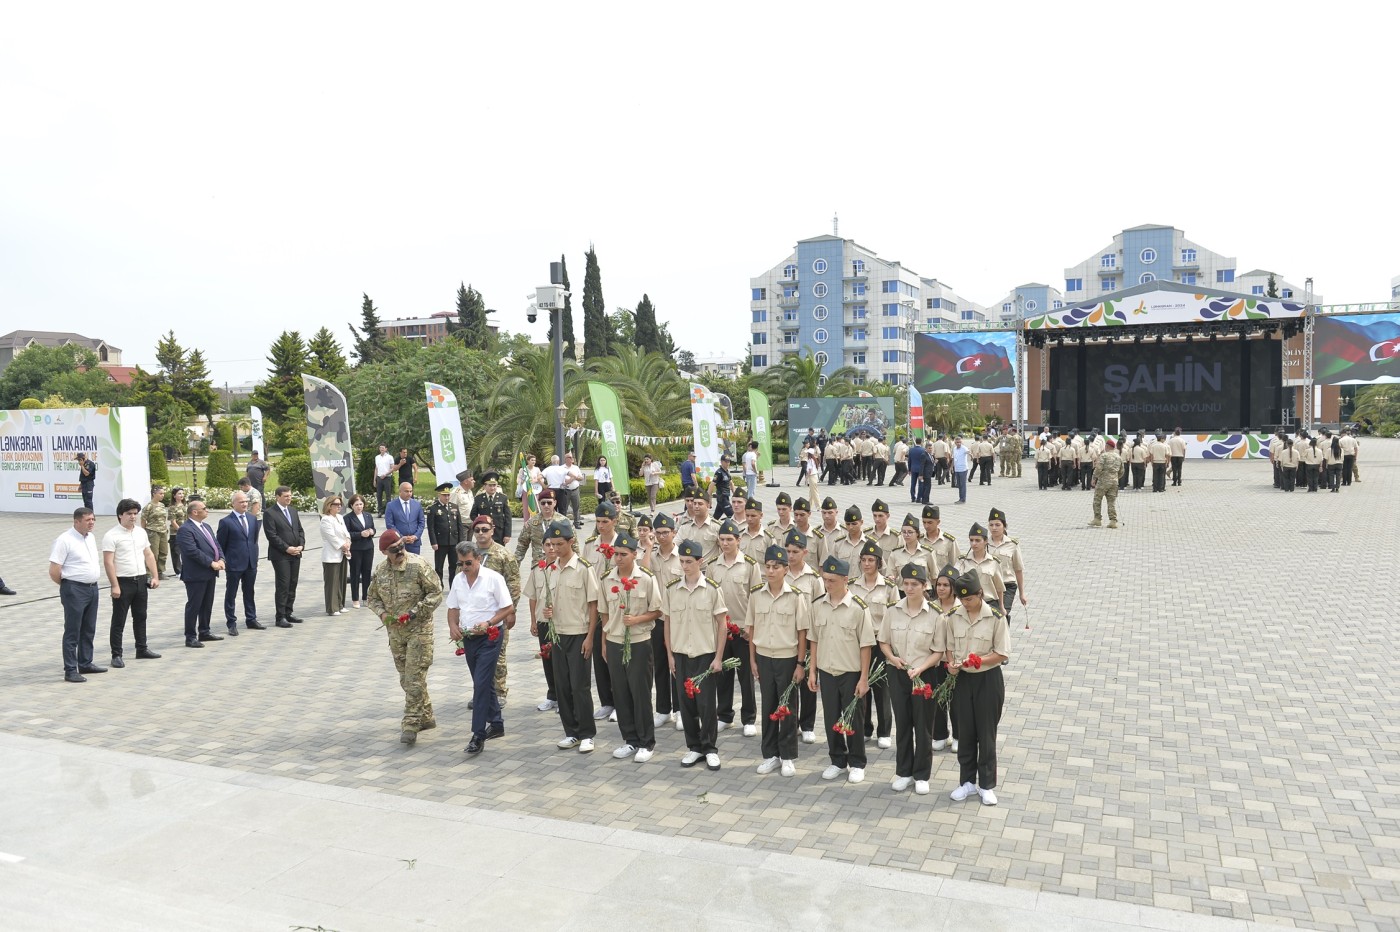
column 572, row 586
column 876, row 597
column 962, row 635
column 755, row 545
column 940, row 449
column 1176, row 445
column 843, row 549
column 1159, row 452
column 1288, row 457
column 774, row 620
column 646, row 597
column 666, row 568
column 808, row 581
column 990, row 572
column 910, row 635
column 592, row 552
column 888, row 542
column 692, row 615
column 735, row 580
column 840, row 630
column 896, row 560
column 944, row 549
column 707, row 535
column 1008, row 557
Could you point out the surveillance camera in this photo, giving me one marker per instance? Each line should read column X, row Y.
column 532, row 314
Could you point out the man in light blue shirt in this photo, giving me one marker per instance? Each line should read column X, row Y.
column 960, row 464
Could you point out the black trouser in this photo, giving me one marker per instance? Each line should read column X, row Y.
column 1139, row 476
column 1086, row 475
column 79, row 622
column 801, row 475
column 1068, row 473
column 1290, row 474
column 1278, row 476
column 87, row 495
column 444, row 554
column 1176, row 469
column 986, row 477
column 940, row 471
column 571, row 686
column 774, row 677
column 976, row 707
column 900, row 471
column 838, row 689
column 383, row 491
column 1007, row 600
column 600, row 669
column 1311, row 469
column 361, row 569
column 245, row 580
column 285, row 573
column 1159, row 477
column 698, row 712
column 748, row 709
column 546, row 662
column 633, row 693
column 913, row 722
column 880, row 467
column 875, row 708
column 806, row 707
column 1042, row 473
column 944, row 725
column 1334, row 476
column 199, row 607
column 1348, row 464
column 134, row 597
column 666, row 702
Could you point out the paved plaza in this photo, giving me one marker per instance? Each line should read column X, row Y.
column 1198, row 726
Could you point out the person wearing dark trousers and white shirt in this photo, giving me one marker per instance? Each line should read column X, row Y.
column 75, row 567
column 285, row 542
column 383, row 477
column 478, row 605
column 237, row 536
column 203, row 559
column 130, row 565
column 961, row 459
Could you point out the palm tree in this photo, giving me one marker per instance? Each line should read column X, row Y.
column 800, row 376
column 654, row 397
column 949, row 412
column 520, row 412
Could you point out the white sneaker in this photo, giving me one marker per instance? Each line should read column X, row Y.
column 721, row 726
column 612, row 716
column 809, row 737
column 940, row 744
column 989, row 797
column 769, row 765
column 585, row 746
column 602, row 713
column 856, row 775
column 921, row 787
column 832, row 772
column 789, row 768
column 549, row 705
column 566, row 743
column 955, row 745
column 901, row 784
column 963, row 792
column 658, row 719
column 691, row 758
column 624, row 752
column 750, row 731
column 680, row 725
column 883, row 743
column 712, row 761
column 642, row 755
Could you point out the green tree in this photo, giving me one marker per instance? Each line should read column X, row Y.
column 1378, row 407
column 622, row 328
column 369, row 339
column 686, row 360
column 647, row 335
column 196, row 388
column 800, row 376
column 32, row 373
column 570, row 351
column 471, row 325
column 519, row 412
column 595, row 314
column 281, row 392
column 324, row 357
column 949, row 412
column 221, row 473
column 653, row 396
column 160, row 470
column 1271, row 290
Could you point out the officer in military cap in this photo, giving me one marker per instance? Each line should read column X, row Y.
column 695, row 637
column 444, row 531
column 776, row 627
column 974, row 627
column 568, row 598
column 841, row 636
column 492, row 501
column 403, row 594
column 906, row 635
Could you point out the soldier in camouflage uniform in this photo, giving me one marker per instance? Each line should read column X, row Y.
column 1106, row 473
column 498, row 558
column 406, row 584
column 156, row 520
column 1011, row 449
column 532, row 531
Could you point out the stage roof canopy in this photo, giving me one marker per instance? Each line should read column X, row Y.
column 1166, row 303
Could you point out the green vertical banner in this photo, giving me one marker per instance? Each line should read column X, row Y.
column 762, row 429
column 609, row 413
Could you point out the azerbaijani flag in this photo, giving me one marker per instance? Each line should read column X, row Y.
column 964, row 362
column 1356, row 349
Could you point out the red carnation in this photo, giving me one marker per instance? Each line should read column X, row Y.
column 542, row 564
column 461, row 651
column 403, row 619
column 734, row 631
column 614, row 590
column 974, row 661
column 493, row 633
column 544, row 651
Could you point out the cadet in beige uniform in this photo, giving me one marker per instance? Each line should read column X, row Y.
column 778, row 529
column 737, row 573
column 943, row 544
column 842, row 635
column 912, row 549
column 975, row 628
column 886, row 537
column 1288, row 465
column 830, row 531
column 906, row 635
column 1007, row 551
column 806, row 581
column 802, row 520
column 978, row 559
column 666, row 564
column 596, row 551
column 699, row 525
column 943, row 600
column 1176, row 447
column 695, row 635
column 846, row 545
column 777, row 622
column 630, row 617
column 1159, row 455
column 754, row 538
column 876, row 591
column 571, row 603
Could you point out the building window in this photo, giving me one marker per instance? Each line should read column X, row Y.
column 1224, row 275
column 760, row 361
column 858, row 358
column 889, row 287
column 790, row 272
column 1148, row 256
column 890, row 355
column 1074, row 284
column 858, row 311
column 858, row 289
column 1006, row 308
column 760, row 294
column 820, row 335
column 891, row 333
column 1109, row 261
column 889, row 310
column 1146, row 277
column 1188, row 278
column 858, row 333
column 789, row 291
column 760, row 317
column 968, row 315
column 819, row 290
column 1287, row 293
column 857, row 266
column 1188, row 256
column 1030, row 303
column 1056, row 305
column 760, row 338
column 891, row 378
column 789, row 339
column 935, row 303
column 819, row 266
column 820, row 311
column 789, row 316
column 1109, row 284
column 1256, row 289
column 821, row 359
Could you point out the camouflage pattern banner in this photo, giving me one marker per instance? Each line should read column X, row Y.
column 445, row 424
column 328, row 436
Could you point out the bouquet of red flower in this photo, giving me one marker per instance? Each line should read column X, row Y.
column 607, row 551
column 784, row 710
column 922, row 690
column 844, row 725
column 692, row 684
column 627, row 585
column 493, row 633
column 461, row 648
column 403, row 619
column 545, row 566
column 733, row 630
column 545, row 651
column 944, row 693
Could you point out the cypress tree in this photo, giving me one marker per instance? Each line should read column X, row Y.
column 569, row 349
column 595, row 312
column 646, row 337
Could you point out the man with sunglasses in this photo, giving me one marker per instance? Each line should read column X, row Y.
column 478, row 605
column 404, row 593
column 498, row 558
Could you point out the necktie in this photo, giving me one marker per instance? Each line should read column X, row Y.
column 286, row 514
column 243, row 521
column 212, row 542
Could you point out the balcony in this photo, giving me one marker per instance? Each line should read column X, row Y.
column 854, row 276
column 789, row 323
column 855, row 299
column 1186, row 266
column 1109, row 270
column 788, row 303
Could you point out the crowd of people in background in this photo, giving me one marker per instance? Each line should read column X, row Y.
column 1324, row 461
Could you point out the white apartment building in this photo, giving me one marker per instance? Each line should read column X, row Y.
column 1026, row 300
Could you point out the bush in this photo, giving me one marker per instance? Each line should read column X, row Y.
column 223, row 435
column 669, row 492
column 364, row 473
column 29, row 404
column 294, row 471
column 221, row 473
column 160, row 470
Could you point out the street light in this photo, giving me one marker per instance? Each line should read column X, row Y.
column 194, row 464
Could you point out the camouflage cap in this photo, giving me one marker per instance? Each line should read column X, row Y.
column 775, row 554
column 795, row 538
column 913, row 571
column 559, row 530
column 692, row 548
column 836, row 567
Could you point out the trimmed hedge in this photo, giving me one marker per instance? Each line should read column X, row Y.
column 669, row 492
column 294, row 471
column 223, row 435
column 160, row 469
column 221, row 473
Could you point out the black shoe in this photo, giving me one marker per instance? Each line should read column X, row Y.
column 233, row 631
column 497, row 731
column 295, row 620
column 91, row 668
column 476, row 744
column 75, row 677
column 6, row 590
column 255, row 626
column 118, row 662
column 283, row 623
column 143, row 653
column 210, row 636
column 193, row 642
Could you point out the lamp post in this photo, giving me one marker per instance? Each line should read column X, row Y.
column 194, row 464
column 580, row 419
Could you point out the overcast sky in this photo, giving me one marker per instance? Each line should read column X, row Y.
column 233, row 171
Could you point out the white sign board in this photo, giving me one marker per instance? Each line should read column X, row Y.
column 38, row 458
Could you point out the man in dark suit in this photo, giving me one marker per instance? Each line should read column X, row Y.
column 202, row 560
column 285, row 542
column 404, row 515
column 238, row 538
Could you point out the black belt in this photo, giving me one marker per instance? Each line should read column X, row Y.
column 76, row 583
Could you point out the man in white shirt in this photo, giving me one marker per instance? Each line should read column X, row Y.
column 75, row 567
column 477, row 606
column 131, row 569
column 554, row 475
column 751, row 468
column 383, row 477
column 573, row 479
